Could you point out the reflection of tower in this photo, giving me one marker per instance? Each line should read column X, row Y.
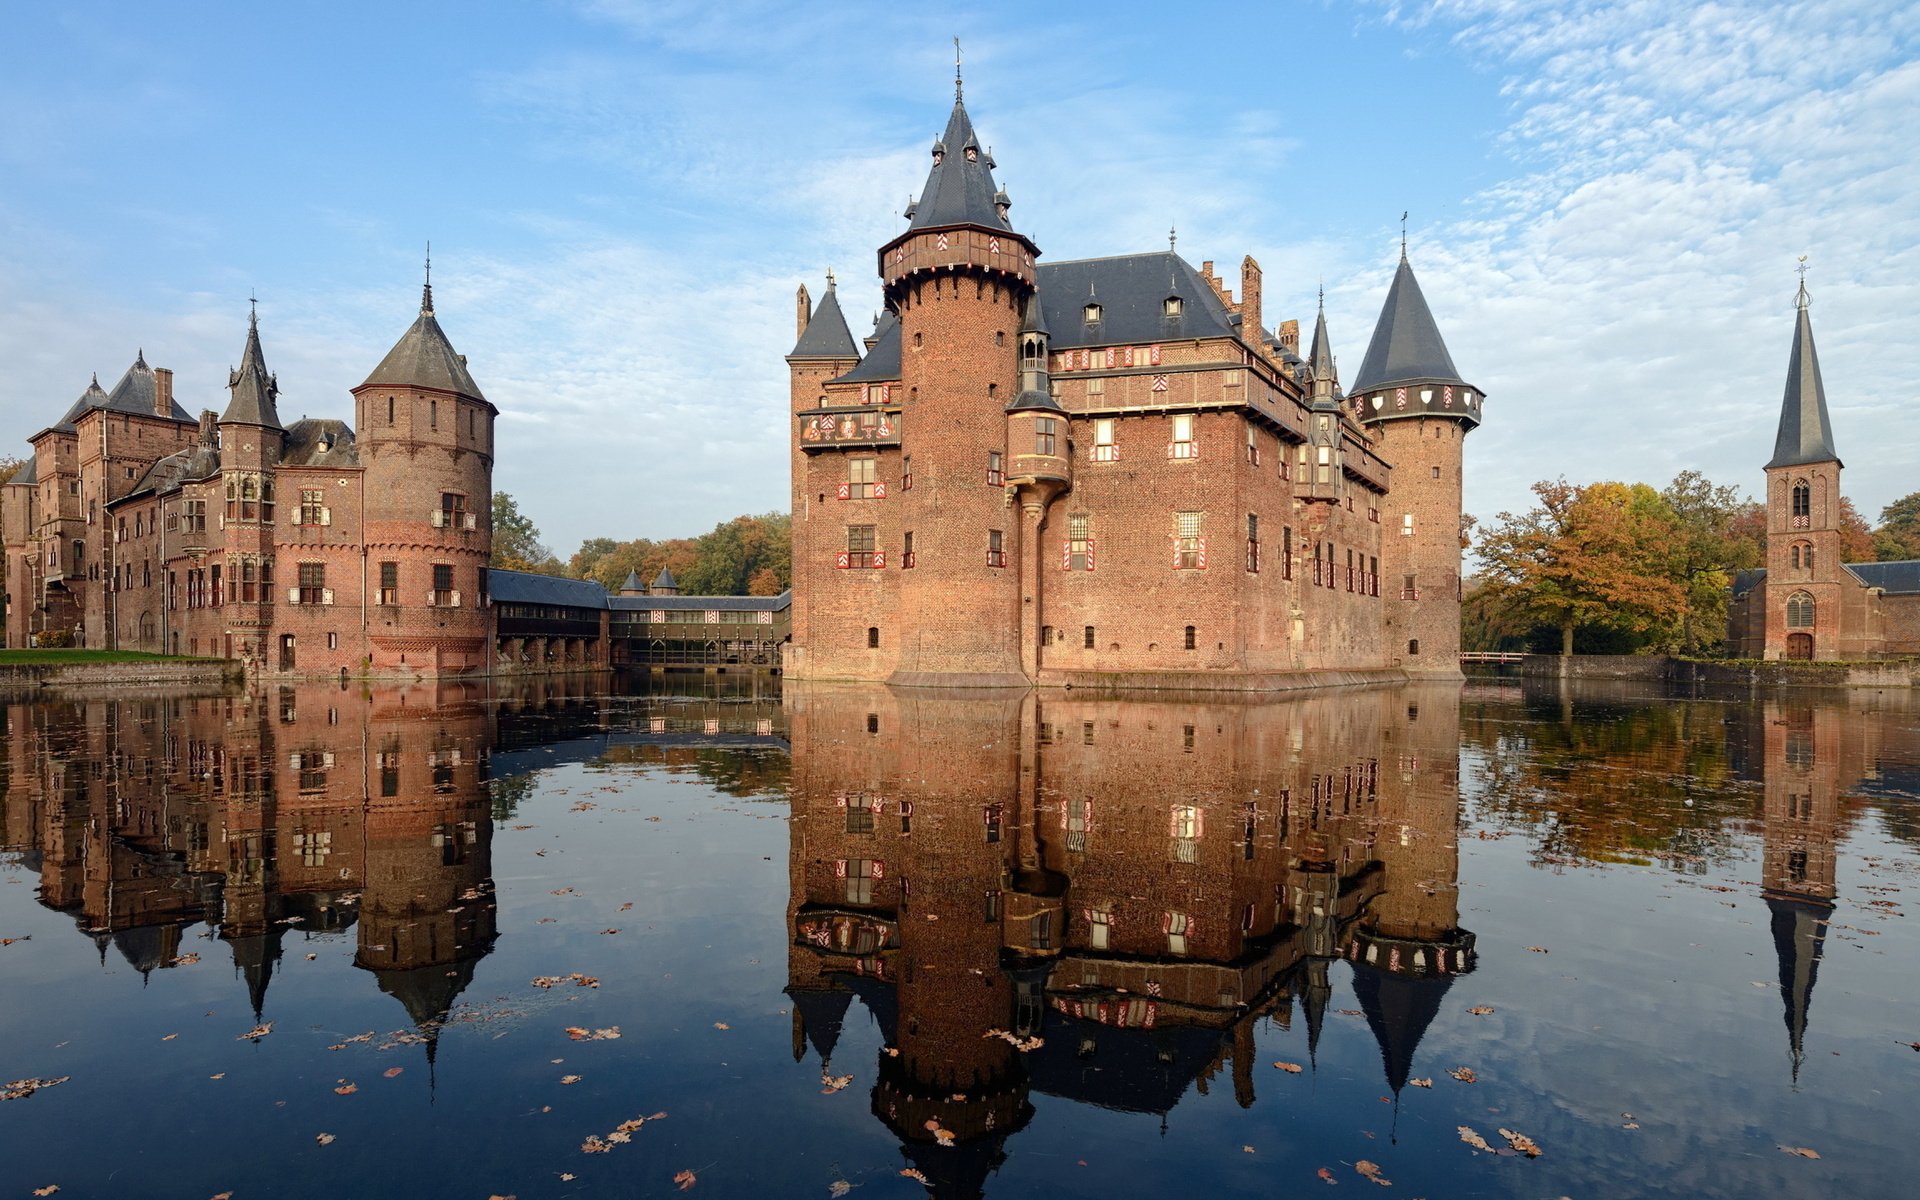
column 1409, row 946
column 427, row 914
column 1802, row 808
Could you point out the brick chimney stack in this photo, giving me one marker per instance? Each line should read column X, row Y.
column 1250, row 326
column 1290, row 337
column 209, row 427
column 802, row 311
column 163, row 391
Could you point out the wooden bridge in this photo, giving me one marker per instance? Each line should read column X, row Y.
column 1492, row 656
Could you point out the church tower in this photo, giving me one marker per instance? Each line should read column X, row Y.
column 1804, row 577
column 426, row 441
column 959, row 278
column 1410, row 394
column 251, row 443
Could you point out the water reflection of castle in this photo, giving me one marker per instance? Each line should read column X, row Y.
column 1136, row 883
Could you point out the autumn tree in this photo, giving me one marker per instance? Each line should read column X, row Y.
column 1712, row 523
column 516, row 541
column 1898, row 537
column 1603, row 554
column 746, row 556
column 10, row 466
column 1856, row 537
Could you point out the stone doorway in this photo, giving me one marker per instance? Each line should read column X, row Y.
column 1800, row 646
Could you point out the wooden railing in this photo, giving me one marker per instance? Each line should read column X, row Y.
column 1491, row 656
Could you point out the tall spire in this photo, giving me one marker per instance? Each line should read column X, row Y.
column 1320, row 358
column 956, row 71
column 426, row 292
column 960, row 188
column 253, row 389
column 1406, row 346
column 1805, row 434
column 825, row 335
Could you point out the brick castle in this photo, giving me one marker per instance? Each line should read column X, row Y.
column 1111, row 470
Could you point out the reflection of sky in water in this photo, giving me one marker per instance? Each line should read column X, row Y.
column 1660, row 993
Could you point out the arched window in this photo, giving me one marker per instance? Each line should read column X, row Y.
column 1802, row 504
column 1799, row 611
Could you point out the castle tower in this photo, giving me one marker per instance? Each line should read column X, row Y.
column 1409, row 393
column 959, row 278
column 1322, row 479
column 1804, row 589
column 823, row 349
column 426, row 441
column 251, row 442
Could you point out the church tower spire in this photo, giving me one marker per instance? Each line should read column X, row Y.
column 1805, row 434
column 253, row 389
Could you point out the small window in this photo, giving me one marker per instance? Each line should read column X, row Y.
column 1182, row 445
column 1406, row 525
column 996, row 548
column 1436, row 472
column 1189, row 548
column 389, row 410
column 1079, row 542
column 1105, row 449
column 860, row 479
column 873, row 637
column 1091, row 313
column 1800, row 611
column 995, row 475
column 860, row 546
column 1087, row 639
column 1172, row 306
column 1045, row 432
column 906, row 549
column 1192, row 640
column 1413, row 647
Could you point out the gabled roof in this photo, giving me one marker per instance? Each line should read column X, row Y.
column 168, row 473
column 1132, row 291
column 529, row 587
column 883, row 361
column 320, row 442
column 423, row 357
column 1745, row 581
column 1406, row 345
column 1897, row 578
column 252, row 387
column 960, row 188
column 826, row 334
column 1805, row 435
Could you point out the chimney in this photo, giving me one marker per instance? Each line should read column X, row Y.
column 1290, row 337
column 1250, row 303
column 209, row 427
column 802, row 312
column 163, row 391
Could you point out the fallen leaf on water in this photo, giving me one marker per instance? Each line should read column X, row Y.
column 566, row 1177
column 1481, row 1010
column 593, row 1035
column 685, row 1179
column 169, row 1037
column 829, row 1084
column 391, row 1072
column 1800, row 1152
column 221, row 1075
column 1290, row 1068
column 223, row 1196
column 1328, row 1176
column 346, row 1089
column 1246, row 1149
column 257, row 1032
column 1372, row 1171
column 1539, row 949
column 48, row 1190
column 1473, row 1139
column 1425, row 1083
column 593, row 1145
column 11, row 941
column 1464, row 1074
column 186, row 960
column 839, row 1187
column 311, row 957
column 627, row 907
column 721, row 1025
column 569, row 1079
column 20, row 1089
column 1522, row 1143
column 609, row 932
column 910, row 1173
column 325, row 1139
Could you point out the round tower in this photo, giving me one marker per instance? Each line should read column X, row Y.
column 1420, row 411
column 959, row 277
column 251, row 443
column 426, row 441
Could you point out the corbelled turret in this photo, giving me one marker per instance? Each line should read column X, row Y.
column 253, row 388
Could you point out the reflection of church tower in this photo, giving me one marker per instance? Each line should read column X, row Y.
column 1803, row 775
column 427, row 914
column 1409, row 945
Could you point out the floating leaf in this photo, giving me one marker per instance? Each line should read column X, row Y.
column 1481, row 1010
column 1522, row 1143
column 1328, row 1176
column 685, row 1179
column 910, row 1173
column 48, row 1190
column 1372, row 1171
column 20, row 1089
column 1464, row 1074
column 1290, row 1068
column 392, row 1072
column 256, row 1033
column 1539, row 949
column 1425, row 1083
column 721, row 1025
column 1473, row 1139
column 325, row 1139
column 838, row 1188
column 569, row 1080
column 1800, row 1152
column 346, row 1089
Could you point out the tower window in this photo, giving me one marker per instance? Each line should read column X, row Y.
column 433, row 414
column 1253, row 542
column 1182, row 445
column 873, row 637
column 1413, row 647
column 995, row 476
column 1406, row 525
column 1172, row 306
column 1802, row 504
column 389, row 410
column 1192, row 638
column 1105, row 448
column 996, row 548
column 999, row 337
column 1436, row 472
column 1080, row 545
column 1087, row 638
column 1800, row 611
column 1044, row 434
column 1189, row 548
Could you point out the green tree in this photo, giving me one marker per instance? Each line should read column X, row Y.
column 516, row 541
column 1602, row 555
column 1711, row 547
column 1898, row 537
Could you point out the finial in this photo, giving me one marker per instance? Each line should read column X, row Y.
column 426, row 293
column 1403, row 237
column 829, row 278
column 1800, row 301
column 1323, row 295
column 956, row 70
column 253, row 310
column 1173, row 237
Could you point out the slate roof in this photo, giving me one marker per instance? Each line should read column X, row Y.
column 826, row 334
column 883, row 361
column 252, row 387
column 959, row 192
column 1320, row 358
column 168, row 473
column 1898, row 578
column 527, row 587
column 665, row 579
column 320, row 442
column 133, row 394
column 633, row 583
column 1746, row 581
column 1805, row 434
column 29, row 471
column 1132, row 291
column 423, row 357
column 1406, row 345
column 701, row 603
column 1399, row 1008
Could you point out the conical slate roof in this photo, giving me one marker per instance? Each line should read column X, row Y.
column 664, row 579
column 1805, row 436
column 1399, row 1008
column 423, row 357
column 826, row 334
column 1799, row 934
column 253, row 388
column 633, row 583
column 1406, row 345
column 1320, row 358
column 960, row 188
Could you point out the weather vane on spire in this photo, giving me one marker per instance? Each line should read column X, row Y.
column 429, row 264
column 956, row 70
column 1800, row 301
column 253, row 307
column 1403, row 235
column 1172, row 238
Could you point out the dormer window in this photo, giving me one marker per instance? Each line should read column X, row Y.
column 973, row 154
column 1091, row 313
column 1172, row 306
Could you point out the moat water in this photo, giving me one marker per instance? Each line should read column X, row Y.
column 577, row 938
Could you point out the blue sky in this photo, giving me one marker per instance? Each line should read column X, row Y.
column 1607, row 204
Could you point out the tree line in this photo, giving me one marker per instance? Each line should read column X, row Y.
column 749, row 555
column 1619, row 568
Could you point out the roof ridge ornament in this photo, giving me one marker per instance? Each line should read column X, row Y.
column 1802, row 300
column 426, row 292
column 956, row 70
column 1403, row 237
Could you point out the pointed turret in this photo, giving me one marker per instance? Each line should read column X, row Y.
column 664, row 584
column 424, row 358
column 633, row 586
column 1805, row 435
column 1320, row 357
column 960, row 188
column 1407, row 367
column 253, row 388
column 1036, row 385
column 1325, row 478
column 1799, row 936
column 824, row 334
